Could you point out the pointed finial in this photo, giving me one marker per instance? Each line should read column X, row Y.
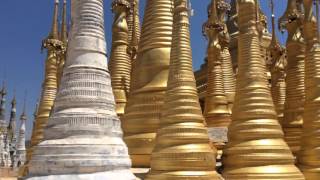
column 274, row 40
column 64, row 26
column 54, row 34
column 14, row 101
column 35, row 113
column 4, row 89
column 24, row 114
column 317, row 2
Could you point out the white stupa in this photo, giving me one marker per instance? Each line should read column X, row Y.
column 83, row 139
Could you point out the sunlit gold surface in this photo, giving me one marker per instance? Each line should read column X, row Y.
column 150, row 74
column 256, row 149
column 182, row 148
column 277, row 69
column 309, row 156
column 232, row 23
column 295, row 91
column 120, row 63
column 216, row 110
column 49, row 86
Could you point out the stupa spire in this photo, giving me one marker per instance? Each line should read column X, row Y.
column 182, row 148
column 120, row 63
column 64, row 40
column 256, row 149
column 21, row 143
column 133, row 20
column 216, row 105
column 64, row 23
column 229, row 81
column 54, row 33
column 3, row 94
column 295, row 75
column 89, row 142
column 308, row 157
column 278, row 66
column 12, row 128
column 150, row 74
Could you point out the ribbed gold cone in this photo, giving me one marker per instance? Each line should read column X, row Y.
column 182, row 148
column 133, row 21
column 278, row 84
column 150, row 74
column 309, row 156
column 256, row 149
column 120, row 63
column 295, row 90
column 277, row 70
column 229, row 82
column 216, row 110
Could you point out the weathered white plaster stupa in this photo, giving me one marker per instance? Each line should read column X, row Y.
column 83, row 139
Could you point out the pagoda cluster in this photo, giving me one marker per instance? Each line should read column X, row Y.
column 251, row 112
column 12, row 138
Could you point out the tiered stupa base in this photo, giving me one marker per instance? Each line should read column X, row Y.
column 282, row 172
column 184, row 175
column 110, row 175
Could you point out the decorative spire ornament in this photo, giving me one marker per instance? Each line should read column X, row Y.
column 278, row 67
column 150, row 75
column 5, row 158
column 12, row 122
column 295, row 72
column 49, row 86
column 20, row 157
column 182, row 148
column 133, row 21
column 308, row 158
column 216, row 110
column 11, row 133
column 256, row 149
column 83, row 138
column 3, row 94
column 120, row 63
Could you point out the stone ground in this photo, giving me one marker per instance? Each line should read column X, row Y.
column 7, row 174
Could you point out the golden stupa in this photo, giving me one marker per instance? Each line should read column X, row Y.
column 309, row 156
column 49, row 86
column 150, row 74
column 277, row 69
column 295, row 89
column 55, row 48
column 182, row 148
column 229, row 81
column 256, row 149
column 120, row 62
column 216, row 111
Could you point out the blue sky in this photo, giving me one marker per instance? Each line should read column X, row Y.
column 24, row 24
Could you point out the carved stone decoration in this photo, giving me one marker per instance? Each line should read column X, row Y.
column 83, row 139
